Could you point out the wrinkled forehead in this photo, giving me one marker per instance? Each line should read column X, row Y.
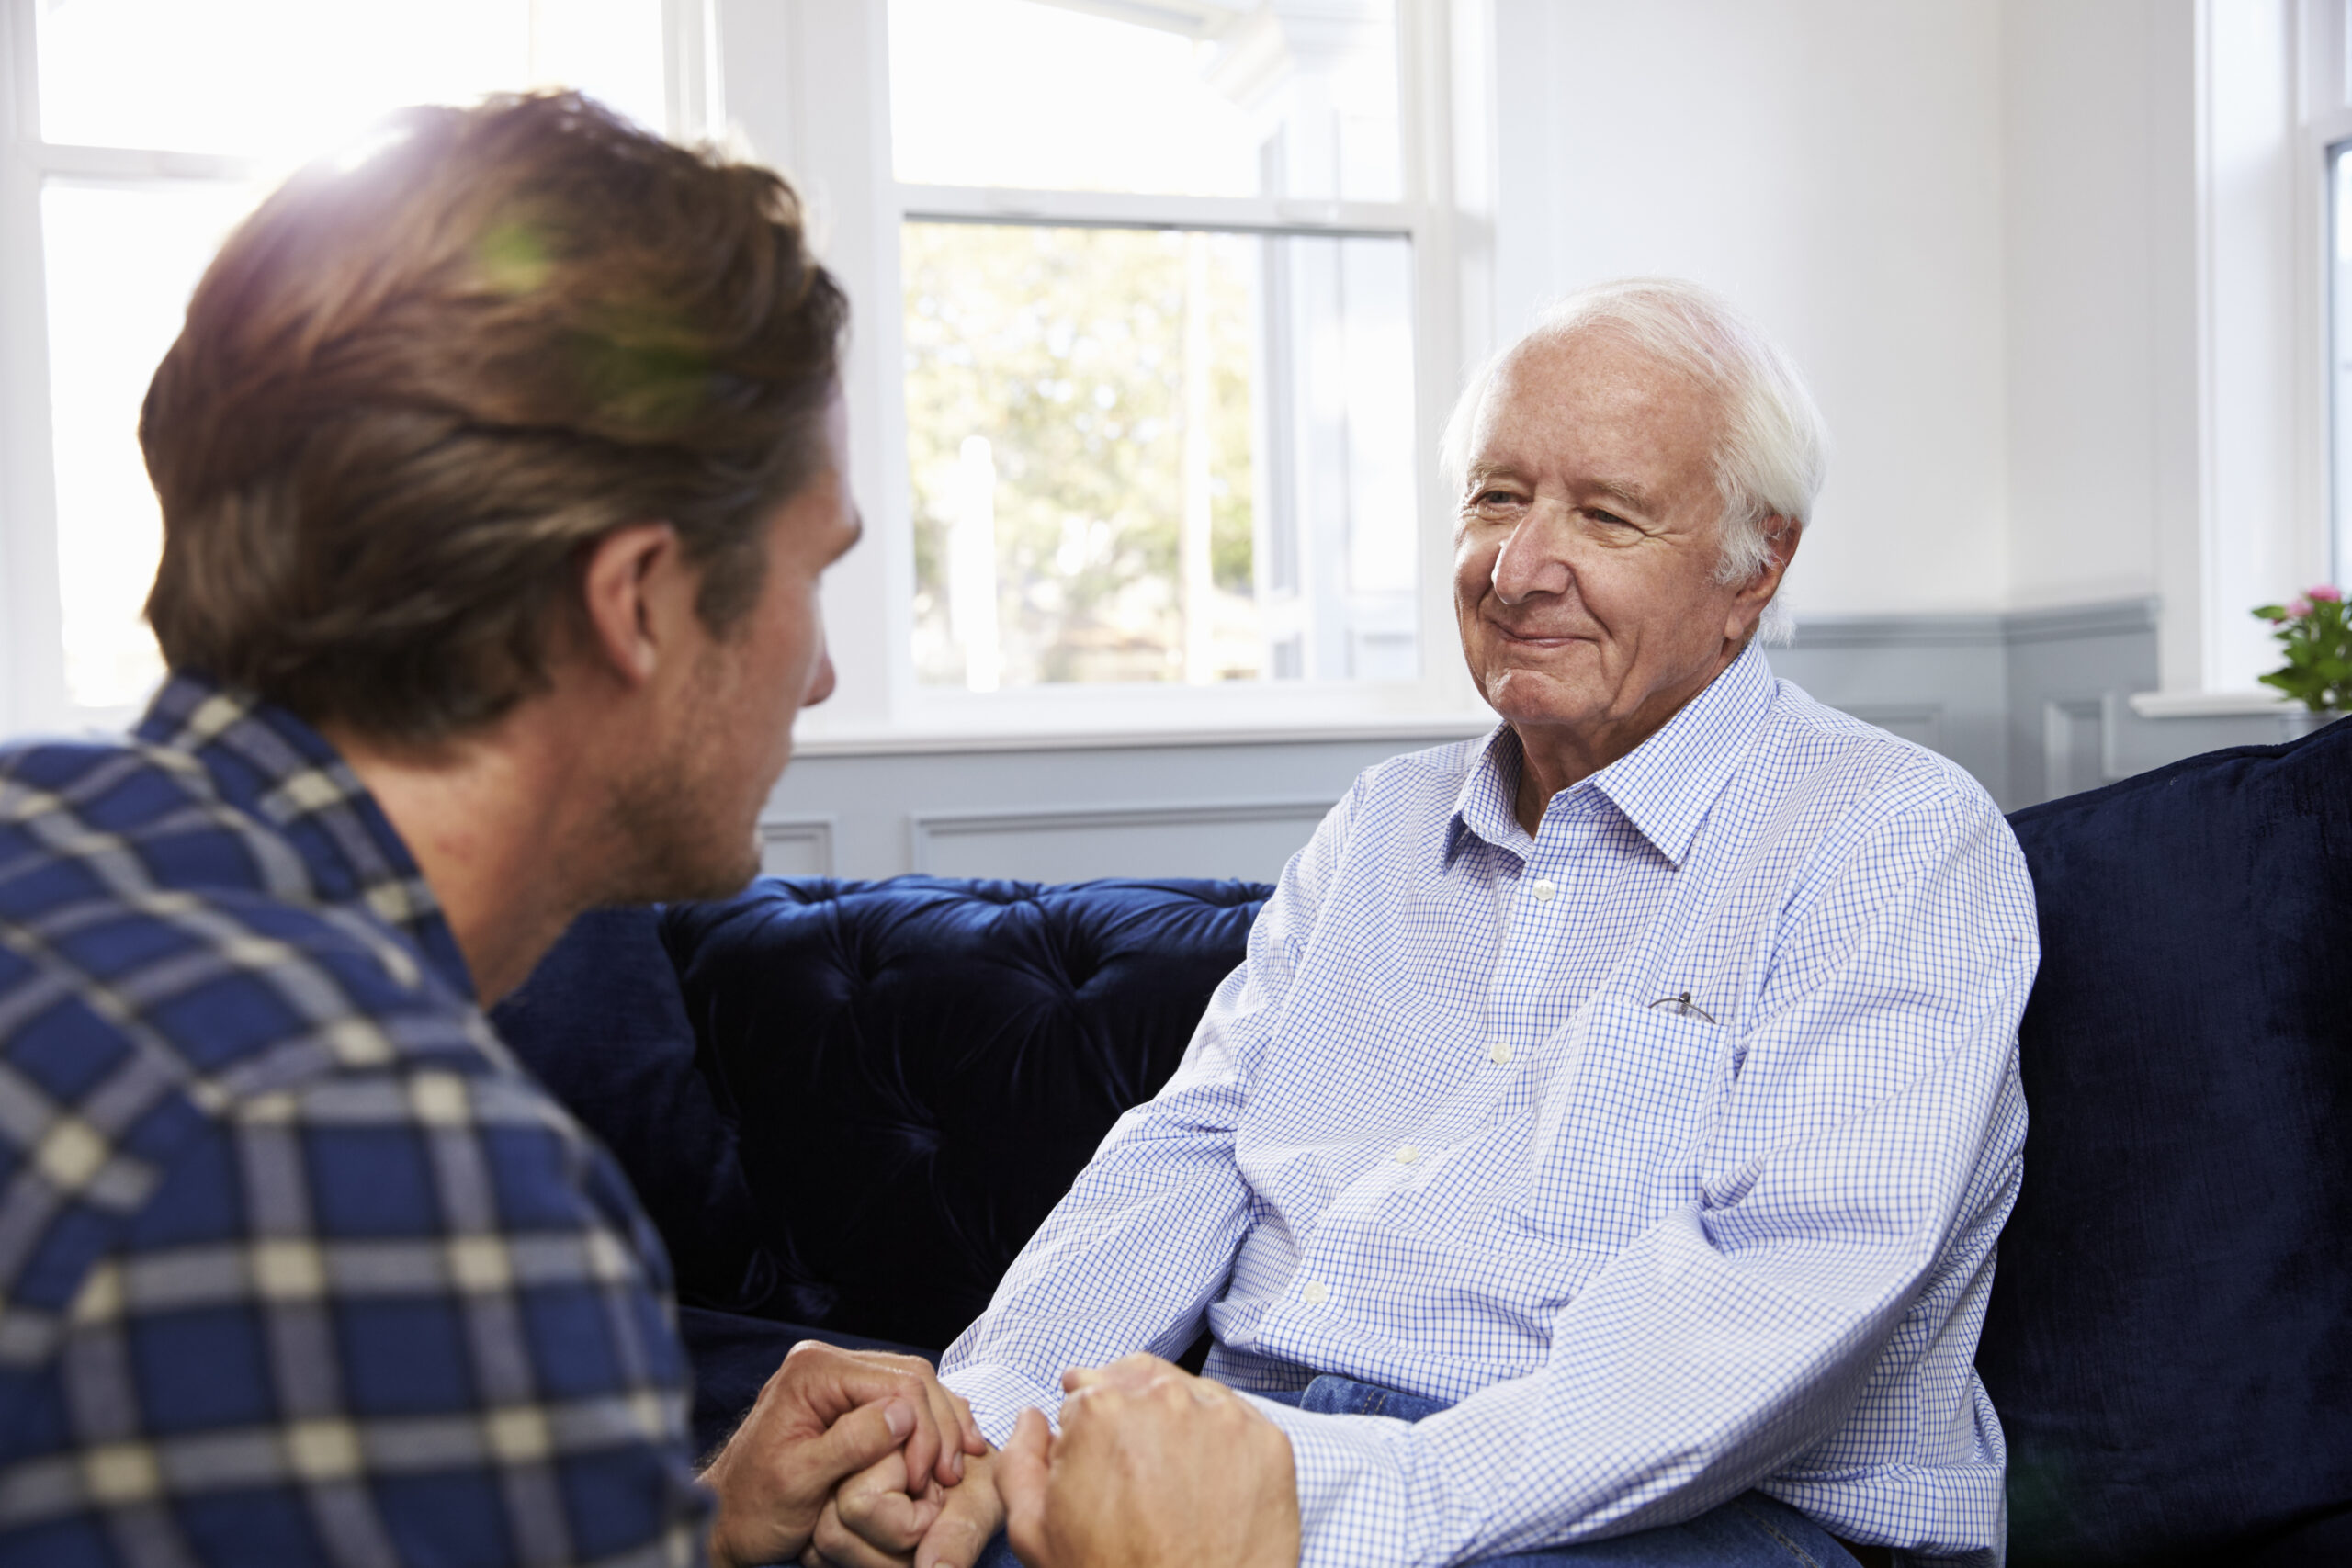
column 1604, row 360
column 1595, row 385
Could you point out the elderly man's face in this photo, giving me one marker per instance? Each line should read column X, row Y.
column 1587, row 548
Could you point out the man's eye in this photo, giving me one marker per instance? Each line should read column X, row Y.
column 1496, row 498
column 1599, row 516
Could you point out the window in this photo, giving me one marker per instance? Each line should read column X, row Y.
column 1157, row 323
column 1158, row 343
column 142, row 131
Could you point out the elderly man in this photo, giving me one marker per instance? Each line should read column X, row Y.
column 1601, row 1152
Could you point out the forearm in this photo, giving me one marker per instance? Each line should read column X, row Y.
column 1127, row 1262
column 1131, row 1255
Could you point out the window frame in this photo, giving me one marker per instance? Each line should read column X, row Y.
column 2326, row 129
column 34, row 696
column 2242, row 442
column 833, row 139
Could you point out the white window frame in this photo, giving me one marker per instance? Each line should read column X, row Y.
column 829, row 129
column 2247, row 516
column 34, row 697
column 2326, row 125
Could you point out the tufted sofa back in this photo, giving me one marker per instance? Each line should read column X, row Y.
column 848, row 1104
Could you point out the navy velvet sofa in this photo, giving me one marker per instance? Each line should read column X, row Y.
column 847, row 1104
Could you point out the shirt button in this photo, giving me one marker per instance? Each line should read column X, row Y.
column 1542, row 889
column 1315, row 1292
column 1407, row 1154
column 1500, row 1053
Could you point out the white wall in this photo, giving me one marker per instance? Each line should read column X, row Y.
column 1833, row 165
column 2096, row 161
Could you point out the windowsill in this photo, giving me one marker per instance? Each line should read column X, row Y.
column 1428, row 728
column 2252, row 703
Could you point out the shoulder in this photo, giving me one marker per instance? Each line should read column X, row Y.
column 123, row 784
column 1828, row 776
column 1412, row 790
column 1839, row 810
column 167, row 978
column 83, row 823
column 1809, row 739
column 136, row 900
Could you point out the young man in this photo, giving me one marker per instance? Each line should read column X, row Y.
column 498, row 474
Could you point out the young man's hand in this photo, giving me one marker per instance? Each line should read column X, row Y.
column 1153, row 1468
column 828, row 1414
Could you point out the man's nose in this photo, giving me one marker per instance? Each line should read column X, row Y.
column 821, row 679
column 1533, row 560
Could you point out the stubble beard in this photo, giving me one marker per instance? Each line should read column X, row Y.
column 668, row 845
column 670, row 849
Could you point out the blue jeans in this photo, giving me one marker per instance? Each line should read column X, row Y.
column 1750, row 1531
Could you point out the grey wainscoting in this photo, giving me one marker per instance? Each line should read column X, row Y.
column 2034, row 703
column 2070, row 675
column 1063, row 812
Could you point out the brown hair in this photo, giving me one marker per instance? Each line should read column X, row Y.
column 411, row 393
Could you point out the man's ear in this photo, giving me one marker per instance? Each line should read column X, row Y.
column 1781, row 536
column 627, row 587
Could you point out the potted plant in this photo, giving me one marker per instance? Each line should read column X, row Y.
column 2317, row 639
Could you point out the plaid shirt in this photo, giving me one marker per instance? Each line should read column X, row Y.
column 1668, row 1144
column 297, row 1265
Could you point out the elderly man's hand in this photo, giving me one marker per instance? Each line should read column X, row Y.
column 1153, row 1468
column 871, row 1524
column 828, row 1414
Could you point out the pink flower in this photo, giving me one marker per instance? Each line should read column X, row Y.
column 2297, row 608
column 2332, row 595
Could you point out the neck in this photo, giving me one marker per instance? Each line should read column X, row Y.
column 481, row 815
column 1559, row 756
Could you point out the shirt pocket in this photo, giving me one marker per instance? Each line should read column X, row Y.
column 1616, row 1137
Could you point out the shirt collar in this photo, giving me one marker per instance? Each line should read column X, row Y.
column 1665, row 786
column 265, row 760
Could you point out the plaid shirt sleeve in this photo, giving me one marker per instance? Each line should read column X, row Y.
column 402, row 1314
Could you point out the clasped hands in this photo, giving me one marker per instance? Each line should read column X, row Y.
column 854, row 1460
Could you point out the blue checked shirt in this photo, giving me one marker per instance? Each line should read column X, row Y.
column 1451, row 1128
column 297, row 1265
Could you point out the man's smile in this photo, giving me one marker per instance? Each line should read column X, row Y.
column 1532, row 638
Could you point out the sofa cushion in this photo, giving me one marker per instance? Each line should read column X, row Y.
column 600, row 1024
column 921, row 1065
column 2169, row 1341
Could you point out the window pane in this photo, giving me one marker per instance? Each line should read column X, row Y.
column 285, row 79
column 122, row 261
column 1154, row 456
column 1223, row 99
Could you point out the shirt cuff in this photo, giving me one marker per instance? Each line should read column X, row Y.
column 999, row 1394
column 1353, row 1503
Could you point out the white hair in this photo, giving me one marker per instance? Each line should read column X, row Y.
column 1769, row 459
